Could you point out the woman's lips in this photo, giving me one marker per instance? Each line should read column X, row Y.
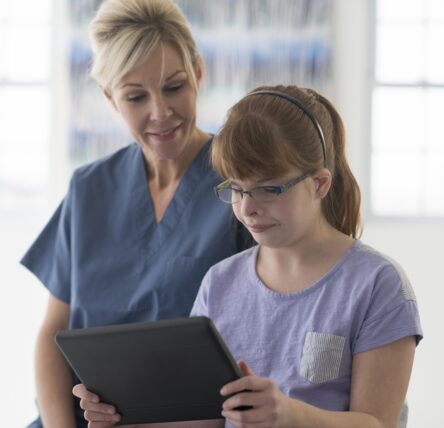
column 166, row 135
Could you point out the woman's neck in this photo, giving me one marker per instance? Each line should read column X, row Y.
column 164, row 173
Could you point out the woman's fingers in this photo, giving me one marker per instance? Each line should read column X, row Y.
column 102, row 425
column 106, row 409
column 80, row 391
column 92, row 416
column 96, row 413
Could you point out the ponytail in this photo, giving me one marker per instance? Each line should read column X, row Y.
column 265, row 136
column 341, row 206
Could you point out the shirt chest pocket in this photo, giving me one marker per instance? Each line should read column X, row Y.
column 321, row 357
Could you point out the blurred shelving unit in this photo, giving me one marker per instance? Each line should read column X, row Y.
column 244, row 43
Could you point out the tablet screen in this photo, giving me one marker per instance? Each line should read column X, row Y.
column 159, row 371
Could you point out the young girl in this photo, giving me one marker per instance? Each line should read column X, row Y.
column 325, row 326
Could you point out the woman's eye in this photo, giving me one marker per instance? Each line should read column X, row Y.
column 135, row 98
column 174, row 88
column 237, row 191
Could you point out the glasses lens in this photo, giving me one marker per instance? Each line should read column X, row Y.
column 263, row 194
column 226, row 195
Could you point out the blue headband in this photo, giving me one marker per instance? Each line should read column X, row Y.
column 298, row 103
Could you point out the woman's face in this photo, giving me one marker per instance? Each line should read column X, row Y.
column 158, row 104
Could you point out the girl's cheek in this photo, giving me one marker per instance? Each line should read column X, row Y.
column 236, row 211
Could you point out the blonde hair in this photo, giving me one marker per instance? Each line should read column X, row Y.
column 267, row 136
column 124, row 33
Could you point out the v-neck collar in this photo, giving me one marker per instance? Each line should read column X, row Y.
column 154, row 234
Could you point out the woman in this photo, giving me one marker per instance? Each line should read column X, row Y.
column 138, row 229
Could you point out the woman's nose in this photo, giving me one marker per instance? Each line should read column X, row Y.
column 160, row 109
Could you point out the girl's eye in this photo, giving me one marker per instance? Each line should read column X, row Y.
column 235, row 190
column 269, row 189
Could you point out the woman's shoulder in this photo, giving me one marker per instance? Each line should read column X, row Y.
column 108, row 165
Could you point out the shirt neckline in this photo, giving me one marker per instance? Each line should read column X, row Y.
column 154, row 234
column 306, row 291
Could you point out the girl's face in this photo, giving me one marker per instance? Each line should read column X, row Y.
column 289, row 218
column 158, row 104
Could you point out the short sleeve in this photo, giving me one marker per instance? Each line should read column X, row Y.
column 49, row 257
column 200, row 306
column 392, row 313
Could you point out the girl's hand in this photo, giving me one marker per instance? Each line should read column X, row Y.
column 270, row 407
column 99, row 415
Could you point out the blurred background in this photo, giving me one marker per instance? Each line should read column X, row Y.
column 380, row 61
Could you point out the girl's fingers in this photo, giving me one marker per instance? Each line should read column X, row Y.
column 247, row 383
column 253, row 416
column 245, row 401
column 245, row 368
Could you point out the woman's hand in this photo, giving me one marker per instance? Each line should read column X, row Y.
column 101, row 415
column 270, row 407
column 98, row 415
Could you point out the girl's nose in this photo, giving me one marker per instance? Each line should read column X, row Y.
column 248, row 206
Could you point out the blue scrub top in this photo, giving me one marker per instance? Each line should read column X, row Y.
column 105, row 255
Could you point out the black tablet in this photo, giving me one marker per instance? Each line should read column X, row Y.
column 159, row 371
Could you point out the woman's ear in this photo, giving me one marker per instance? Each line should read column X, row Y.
column 199, row 70
column 109, row 96
column 322, row 179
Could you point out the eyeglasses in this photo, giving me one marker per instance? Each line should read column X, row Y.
column 232, row 195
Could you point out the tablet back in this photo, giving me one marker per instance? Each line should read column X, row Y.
column 160, row 371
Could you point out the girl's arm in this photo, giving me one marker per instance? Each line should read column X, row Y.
column 380, row 379
column 53, row 378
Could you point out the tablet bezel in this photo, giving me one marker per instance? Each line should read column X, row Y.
column 186, row 359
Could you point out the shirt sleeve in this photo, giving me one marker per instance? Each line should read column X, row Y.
column 392, row 313
column 49, row 257
column 200, row 306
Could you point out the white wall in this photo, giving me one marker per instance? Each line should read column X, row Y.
column 22, row 303
column 416, row 245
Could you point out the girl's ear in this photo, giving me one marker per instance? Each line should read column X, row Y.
column 322, row 179
column 109, row 96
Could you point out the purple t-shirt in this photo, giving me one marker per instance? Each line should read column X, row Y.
column 305, row 341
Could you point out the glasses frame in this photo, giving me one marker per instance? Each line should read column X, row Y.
column 277, row 190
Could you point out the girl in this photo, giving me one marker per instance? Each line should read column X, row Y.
column 326, row 326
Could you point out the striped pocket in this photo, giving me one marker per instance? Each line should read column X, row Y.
column 321, row 357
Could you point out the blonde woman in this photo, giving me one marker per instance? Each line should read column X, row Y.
column 138, row 229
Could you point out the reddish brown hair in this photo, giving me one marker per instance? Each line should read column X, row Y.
column 266, row 136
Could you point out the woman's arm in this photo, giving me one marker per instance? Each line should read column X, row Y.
column 102, row 415
column 380, row 379
column 53, row 378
